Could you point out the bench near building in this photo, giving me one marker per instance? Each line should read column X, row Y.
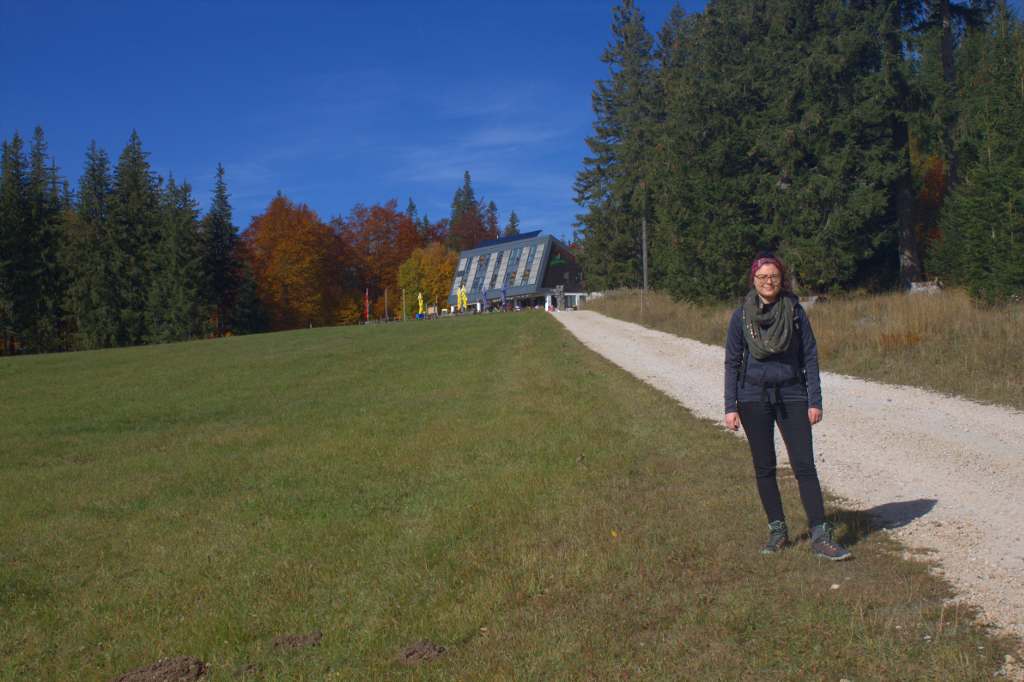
column 530, row 266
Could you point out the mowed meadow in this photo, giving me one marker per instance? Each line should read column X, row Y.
column 485, row 483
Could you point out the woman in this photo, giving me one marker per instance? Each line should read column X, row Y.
column 771, row 377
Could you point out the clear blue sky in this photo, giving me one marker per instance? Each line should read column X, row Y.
column 333, row 103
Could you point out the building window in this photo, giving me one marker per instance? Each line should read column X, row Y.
column 494, row 279
column 476, row 284
column 529, row 266
column 510, row 278
column 565, row 277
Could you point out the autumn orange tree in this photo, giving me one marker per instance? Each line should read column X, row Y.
column 299, row 264
column 378, row 240
column 430, row 270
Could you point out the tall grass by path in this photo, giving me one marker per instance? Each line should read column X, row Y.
column 947, row 342
column 391, row 483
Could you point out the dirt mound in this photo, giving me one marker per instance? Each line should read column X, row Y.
column 248, row 670
column 292, row 642
column 177, row 669
column 422, row 651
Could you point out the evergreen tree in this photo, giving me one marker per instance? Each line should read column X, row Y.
column 463, row 202
column 221, row 242
column 897, row 89
column 177, row 310
column 981, row 232
column 136, row 214
column 471, row 221
column 716, row 104
column 423, row 227
column 92, row 258
column 614, row 186
column 47, row 213
column 947, row 21
column 17, row 257
column 491, row 220
column 512, row 229
column 249, row 316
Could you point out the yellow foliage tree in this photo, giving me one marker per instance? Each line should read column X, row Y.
column 430, row 270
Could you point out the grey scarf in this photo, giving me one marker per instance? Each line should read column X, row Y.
column 767, row 333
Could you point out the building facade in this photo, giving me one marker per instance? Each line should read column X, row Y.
column 528, row 265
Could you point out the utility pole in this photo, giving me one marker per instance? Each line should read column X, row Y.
column 643, row 224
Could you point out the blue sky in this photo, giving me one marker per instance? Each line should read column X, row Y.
column 333, row 103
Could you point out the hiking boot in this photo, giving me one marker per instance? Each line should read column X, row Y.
column 778, row 537
column 823, row 545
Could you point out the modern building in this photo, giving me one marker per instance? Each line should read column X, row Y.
column 529, row 265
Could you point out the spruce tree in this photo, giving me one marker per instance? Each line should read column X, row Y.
column 707, row 191
column 491, row 221
column 981, row 239
column 136, row 214
column 220, row 238
column 92, row 258
column 47, row 210
column 512, row 228
column 614, row 188
column 897, row 89
column 463, row 202
column 249, row 316
column 177, row 309
column 17, row 257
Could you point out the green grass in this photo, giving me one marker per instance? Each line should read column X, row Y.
column 391, row 483
column 949, row 343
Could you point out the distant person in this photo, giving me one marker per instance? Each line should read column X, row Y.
column 771, row 377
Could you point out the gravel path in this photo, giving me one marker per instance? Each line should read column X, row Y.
column 943, row 475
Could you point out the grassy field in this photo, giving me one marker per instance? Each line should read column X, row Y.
column 948, row 342
column 485, row 483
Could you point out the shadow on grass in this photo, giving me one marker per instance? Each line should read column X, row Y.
column 859, row 524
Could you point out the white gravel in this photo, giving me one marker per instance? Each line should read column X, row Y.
column 943, row 475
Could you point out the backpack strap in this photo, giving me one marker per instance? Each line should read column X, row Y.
column 801, row 370
column 743, row 371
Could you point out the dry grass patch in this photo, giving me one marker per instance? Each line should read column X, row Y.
column 949, row 342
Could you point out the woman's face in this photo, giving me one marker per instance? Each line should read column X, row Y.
column 768, row 281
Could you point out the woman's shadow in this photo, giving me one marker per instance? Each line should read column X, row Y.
column 860, row 523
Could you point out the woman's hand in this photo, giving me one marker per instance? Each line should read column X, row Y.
column 814, row 415
column 732, row 420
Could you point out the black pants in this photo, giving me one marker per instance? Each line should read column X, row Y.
column 759, row 425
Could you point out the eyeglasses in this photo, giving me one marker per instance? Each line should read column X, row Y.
column 761, row 279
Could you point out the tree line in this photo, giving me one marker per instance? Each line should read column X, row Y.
column 871, row 143
column 127, row 258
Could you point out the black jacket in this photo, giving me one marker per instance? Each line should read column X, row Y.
column 777, row 368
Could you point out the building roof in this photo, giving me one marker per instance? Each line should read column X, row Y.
column 506, row 240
